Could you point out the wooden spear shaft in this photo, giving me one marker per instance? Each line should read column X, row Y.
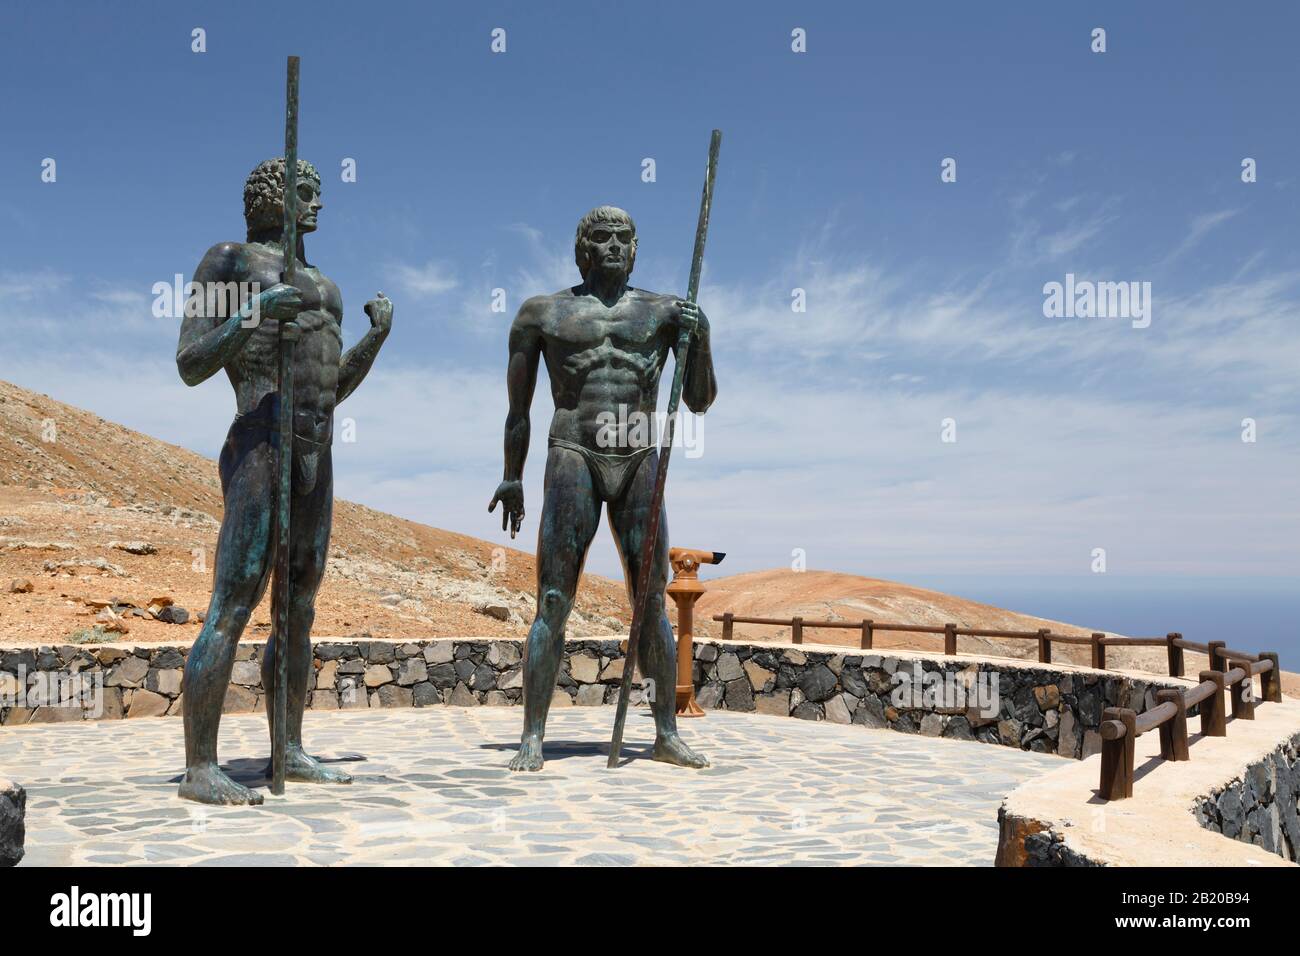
column 284, row 452
column 682, row 351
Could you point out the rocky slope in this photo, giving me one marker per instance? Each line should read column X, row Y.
column 94, row 514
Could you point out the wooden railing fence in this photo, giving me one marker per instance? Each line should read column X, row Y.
column 1231, row 673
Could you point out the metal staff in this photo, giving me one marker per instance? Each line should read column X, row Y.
column 681, row 351
column 284, row 452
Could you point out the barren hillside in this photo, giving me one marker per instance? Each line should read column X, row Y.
column 80, row 495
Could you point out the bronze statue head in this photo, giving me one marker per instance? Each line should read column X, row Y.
column 264, row 198
column 605, row 240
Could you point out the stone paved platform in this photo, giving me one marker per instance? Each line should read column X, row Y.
column 432, row 788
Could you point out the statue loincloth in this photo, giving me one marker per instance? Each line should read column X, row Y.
column 610, row 473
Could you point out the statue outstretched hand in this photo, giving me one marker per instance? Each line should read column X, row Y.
column 380, row 311
column 511, row 496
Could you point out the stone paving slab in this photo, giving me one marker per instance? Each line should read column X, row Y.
column 432, row 788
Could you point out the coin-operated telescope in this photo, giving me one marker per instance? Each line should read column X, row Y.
column 685, row 589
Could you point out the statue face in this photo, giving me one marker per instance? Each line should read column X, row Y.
column 309, row 205
column 609, row 247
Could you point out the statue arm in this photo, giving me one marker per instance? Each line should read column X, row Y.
column 521, row 381
column 356, row 362
column 208, row 343
column 699, row 384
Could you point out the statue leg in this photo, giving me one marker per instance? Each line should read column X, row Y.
column 243, row 564
column 657, row 651
column 570, row 516
column 309, row 537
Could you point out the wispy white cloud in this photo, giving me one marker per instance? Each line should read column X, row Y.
column 1035, row 242
column 25, row 286
column 1197, row 230
column 424, row 281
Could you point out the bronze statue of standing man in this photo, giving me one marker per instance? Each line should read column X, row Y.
column 245, row 346
column 605, row 344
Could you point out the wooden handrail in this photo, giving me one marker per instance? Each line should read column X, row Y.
column 1119, row 728
column 1231, row 672
column 1200, row 692
column 1149, row 720
column 1191, row 645
column 913, row 628
column 1070, row 639
column 1135, row 641
column 978, row 632
column 1112, row 729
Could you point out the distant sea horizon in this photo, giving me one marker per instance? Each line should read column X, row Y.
column 1249, row 614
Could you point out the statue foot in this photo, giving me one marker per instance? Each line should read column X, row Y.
column 302, row 767
column 530, row 754
column 208, row 783
column 670, row 748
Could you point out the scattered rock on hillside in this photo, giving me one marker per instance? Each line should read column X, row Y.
column 16, row 545
column 21, row 587
column 498, row 611
column 173, row 614
column 109, row 620
column 134, row 547
column 96, row 564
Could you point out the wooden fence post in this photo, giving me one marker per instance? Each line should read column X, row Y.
column 796, row 630
column 1117, row 754
column 727, row 622
column 950, row 639
column 866, row 635
column 1217, row 663
column 1098, row 651
column 1044, row 646
column 1173, row 732
column 1270, row 682
column 1213, row 720
column 1243, row 695
column 1175, row 653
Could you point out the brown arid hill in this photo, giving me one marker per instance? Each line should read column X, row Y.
column 66, row 502
column 831, row 596
column 73, row 510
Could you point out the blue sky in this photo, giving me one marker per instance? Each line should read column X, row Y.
column 924, row 298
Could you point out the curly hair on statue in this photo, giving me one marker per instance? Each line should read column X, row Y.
column 264, row 193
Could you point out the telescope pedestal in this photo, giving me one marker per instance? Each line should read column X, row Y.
column 685, row 599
